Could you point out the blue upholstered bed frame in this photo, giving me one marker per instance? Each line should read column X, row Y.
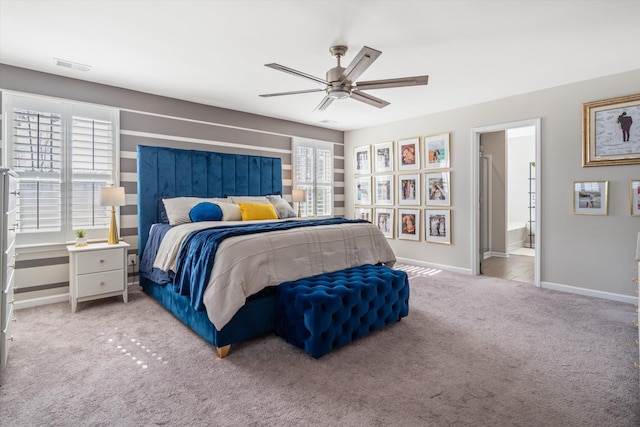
column 169, row 172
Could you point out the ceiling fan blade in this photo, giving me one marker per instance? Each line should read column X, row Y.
column 297, row 73
column 368, row 99
column 401, row 82
column 324, row 104
column 295, row 92
column 360, row 63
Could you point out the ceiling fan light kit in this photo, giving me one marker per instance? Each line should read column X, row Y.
column 341, row 83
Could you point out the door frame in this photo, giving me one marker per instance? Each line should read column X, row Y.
column 475, row 190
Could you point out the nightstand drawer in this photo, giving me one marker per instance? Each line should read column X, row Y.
column 102, row 260
column 100, row 283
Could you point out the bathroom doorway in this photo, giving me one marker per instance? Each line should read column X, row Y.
column 506, row 196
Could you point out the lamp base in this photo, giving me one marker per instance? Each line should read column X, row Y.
column 113, row 229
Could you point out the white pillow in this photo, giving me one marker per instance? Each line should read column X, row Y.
column 230, row 212
column 178, row 208
column 249, row 199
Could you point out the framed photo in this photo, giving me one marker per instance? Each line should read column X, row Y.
column 384, row 189
column 437, row 188
column 384, row 221
column 363, row 190
column 436, row 149
column 611, row 131
column 438, row 225
column 635, row 197
column 383, row 157
column 362, row 159
column 409, row 189
column 409, row 224
column 409, row 154
column 363, row 213
column 590, row 197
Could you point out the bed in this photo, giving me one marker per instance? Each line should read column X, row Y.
column 236, row 313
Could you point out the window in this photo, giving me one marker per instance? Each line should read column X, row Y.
column 313, row 172
column 63, row 153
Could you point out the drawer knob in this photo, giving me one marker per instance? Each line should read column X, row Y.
column 10, row 338
column 634, row 279
column 11, row 302
column 635, row 323
column 15, row 319
column 637, row 341
column 11, row 266
column 15, row 193
column 101, row 261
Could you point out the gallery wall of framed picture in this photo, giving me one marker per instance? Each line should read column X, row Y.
column 404, row 187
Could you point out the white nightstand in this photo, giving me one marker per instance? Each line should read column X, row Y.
column 98, row 270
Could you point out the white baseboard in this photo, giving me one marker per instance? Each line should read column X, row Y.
column 34, row 302
column 547, row 285
column 433, row 265
column 589, row 292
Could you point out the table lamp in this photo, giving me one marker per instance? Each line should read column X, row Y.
column 299, row 196
column 112, row 196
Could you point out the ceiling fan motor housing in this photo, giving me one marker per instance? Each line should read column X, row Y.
column 336, row 88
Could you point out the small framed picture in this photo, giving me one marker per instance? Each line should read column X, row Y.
column 363, row 190
column 409, row 154
column 436, row 149
column 590, row 197
column 363, row 213
column 409, row 224
column 362, row 159
column 383, row 157
column 438, row 226
column 437, row 187
column 409, row 189
column 384, row 189
column 384, row 221
column 635, row 197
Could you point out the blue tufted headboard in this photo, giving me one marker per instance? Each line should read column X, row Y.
column 171, row 172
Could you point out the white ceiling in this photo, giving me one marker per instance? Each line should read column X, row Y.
column 213, row 52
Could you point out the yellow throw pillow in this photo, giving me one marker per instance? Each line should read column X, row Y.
column 251, row 211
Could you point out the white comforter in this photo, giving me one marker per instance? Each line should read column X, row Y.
column 244, row 265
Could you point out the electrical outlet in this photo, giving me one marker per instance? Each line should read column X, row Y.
column 132, row 259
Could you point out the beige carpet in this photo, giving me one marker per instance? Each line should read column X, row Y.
column 473, row 351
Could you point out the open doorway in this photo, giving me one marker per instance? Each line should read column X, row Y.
column 505, row 194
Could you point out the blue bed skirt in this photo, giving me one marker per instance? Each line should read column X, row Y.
column 255, row 318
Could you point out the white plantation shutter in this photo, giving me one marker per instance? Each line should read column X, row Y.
column 63, row 153
column 313, row 172
column 92, row 166
column 37, row 158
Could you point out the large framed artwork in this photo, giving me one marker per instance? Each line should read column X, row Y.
column 409, row 189
column 383, row 157
column 384, row 220
column 409, row 224
column 611, row 131
column 438, row 225
column 635, row 197
column 409, row 154
column 590, row 197
column 363, row 190
column 437, row 188
column 436, row 149
column 384, row 189
column 362, row 160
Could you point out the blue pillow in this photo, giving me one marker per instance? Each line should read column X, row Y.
column 205, row 211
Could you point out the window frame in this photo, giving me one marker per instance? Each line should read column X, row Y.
column 69, row 110
column 313, row 185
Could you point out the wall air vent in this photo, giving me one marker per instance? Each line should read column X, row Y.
column 72, row 65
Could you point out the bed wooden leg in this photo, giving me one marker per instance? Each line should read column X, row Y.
column 223, row 351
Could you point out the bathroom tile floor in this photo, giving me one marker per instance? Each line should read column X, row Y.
column 515, row 267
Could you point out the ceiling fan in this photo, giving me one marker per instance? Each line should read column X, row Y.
column 341, row 82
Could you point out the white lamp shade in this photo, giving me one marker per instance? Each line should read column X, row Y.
column 112, row 196
column 299, row 195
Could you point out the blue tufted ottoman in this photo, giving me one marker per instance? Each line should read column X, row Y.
column 329, row 310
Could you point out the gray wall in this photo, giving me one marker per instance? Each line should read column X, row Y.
column 593, row 253
column 153, row 120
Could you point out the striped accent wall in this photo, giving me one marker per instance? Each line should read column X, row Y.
column 42, row 273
